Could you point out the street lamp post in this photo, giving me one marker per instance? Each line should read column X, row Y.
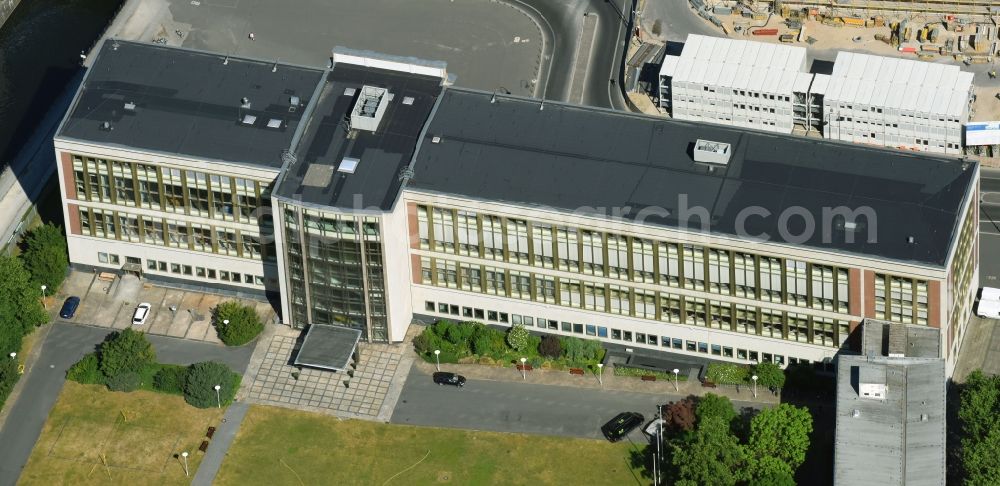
column 43, row 295
column 13, row 355
column 600, row 373
column 225, row 322
column 754, row 378
column 524, row 372
column 184, row 455
column 437, row 359
column 659, row 435
column 218, row 400
column 676, row 385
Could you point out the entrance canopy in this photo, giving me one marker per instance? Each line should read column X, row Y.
column 328, row 347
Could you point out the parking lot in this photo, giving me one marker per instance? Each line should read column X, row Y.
column 488, row 45
column 175, row 312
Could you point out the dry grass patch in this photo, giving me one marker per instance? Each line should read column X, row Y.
column 94, row 436
column 279, row 446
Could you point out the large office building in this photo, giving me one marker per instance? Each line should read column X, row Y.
column 875, row 100
column 395, row 196
column 891, row 413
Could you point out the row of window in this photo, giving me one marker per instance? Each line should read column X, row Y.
column 118, row 225
column 640, row 303
column 159, row 266
column 173, row 190
column 609, row 333
column 693, row 267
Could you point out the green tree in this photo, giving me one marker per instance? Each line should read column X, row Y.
column 126, row 351
column 715, row 406
column 782, row 434
column 8, row 378
column 200, row 382
column 86, row 371
column 776, row 478
column 711, row 455
column 243, row 323
column 20, row 304
column 979, row 415
column 769, row 375
column 517, row 337
column 45, row 256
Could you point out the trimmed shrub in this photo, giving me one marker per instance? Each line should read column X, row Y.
column 86, row 371
column 125, row 381
column 244, row 323
column 715, row 406
column 460, row 334
column 170, row 379
column 199, row 385
column 517, row 337
column 579, row 351
column 550, row 347
column 125, row 351
column 769, row 375
column 727, row 373
column 45, row 256
column 629, row 371
column 489, row 342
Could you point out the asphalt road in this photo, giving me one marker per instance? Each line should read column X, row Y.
column 989, row 228
column 520, row 407
column 65, row 345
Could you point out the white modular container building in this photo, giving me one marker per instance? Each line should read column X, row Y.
column 898, row 103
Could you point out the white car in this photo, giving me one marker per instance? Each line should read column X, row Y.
column 141, row 314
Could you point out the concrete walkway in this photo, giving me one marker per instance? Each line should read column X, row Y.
column 219, row 447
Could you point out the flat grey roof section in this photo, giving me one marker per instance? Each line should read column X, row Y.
column 328, row 347
column 574, row 158
column 896, row 441
column 878, row 338
column 381, row 155
column 190, row 103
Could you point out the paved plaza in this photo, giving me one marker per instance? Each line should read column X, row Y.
column 369, row 394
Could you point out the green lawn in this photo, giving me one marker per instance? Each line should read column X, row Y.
column 95, row 436
column 276, row 446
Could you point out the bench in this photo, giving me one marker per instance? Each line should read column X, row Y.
column 524, row 367
column 204, row 446
column 709, row 384
column 576, row 371
column 648, row 378
column 210, row 433
column 106, row 276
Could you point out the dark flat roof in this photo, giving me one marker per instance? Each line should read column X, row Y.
column 189, row 102
column 328, row 347
column 575, row 158
column 382, row 154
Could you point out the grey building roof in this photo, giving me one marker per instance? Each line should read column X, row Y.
column 575, row 158
column 328, row 347
column 190, row 103
column 896, row 441
column 326, row 141
column 882, row 338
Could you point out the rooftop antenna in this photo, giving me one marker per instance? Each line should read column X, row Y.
column 542, row 105
column 225, row 62
column 115, row 44
column 274, row 68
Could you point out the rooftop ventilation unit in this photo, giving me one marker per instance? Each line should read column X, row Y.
column 245, row 102
column 130, row 106
column 348, row 165
column 856, row 413
column 408, row 100
column 350, row 91
column 709, row 152
column 274, row 123
column 369, row 108
column 249, row 119
column 294, row 103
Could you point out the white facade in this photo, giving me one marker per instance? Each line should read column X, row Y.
column 733, row 82
column 898, row 103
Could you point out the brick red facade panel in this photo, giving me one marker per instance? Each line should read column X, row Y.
column 74, row 218
column 413, row 230
column 67, row 169
column 934, row 303
column 869, row 294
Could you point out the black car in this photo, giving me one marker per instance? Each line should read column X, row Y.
column 621, row 425
column 445, row 378
column 69, row 307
